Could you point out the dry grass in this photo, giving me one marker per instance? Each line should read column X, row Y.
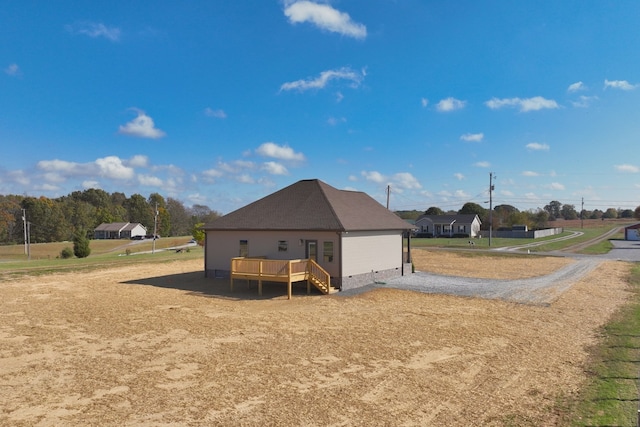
column 488, row 266
column 160, row 345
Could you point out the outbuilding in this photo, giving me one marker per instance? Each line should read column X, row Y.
column 632, row 232
column 351, row 236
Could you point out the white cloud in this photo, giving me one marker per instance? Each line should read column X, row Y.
column 483, row 164
column 65, row 168
column 424, row 102
column 619, row 84
column 555, row 186
column 90, row 184
column 528, row 104
column 405, row 180
column 142, row 127
column 575, row 87
column 282, row 152
column 627, row 168
column 450, row 104
column 461, row 194
column 536, row 146
column 13, row 70
column 113, row 167
column 275, row 168
column 374, row 176
column 352, row 178
column 245, row 179
column 584, row 101
column 339, row 96
column 151, row 181
column 344, row 73
column 530, row 173
column 334, row 121
column 138, row 161
column 210, row 175
column 472, row 137
column 19, row 176
column 95, row 30
column 325, row 17
column 218, row 114
column 458, row 176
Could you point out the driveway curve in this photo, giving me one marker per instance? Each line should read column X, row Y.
column 540, row 290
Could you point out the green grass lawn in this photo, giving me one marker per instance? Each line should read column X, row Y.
column 611, row 396
column 462, row 243
column 45, row 256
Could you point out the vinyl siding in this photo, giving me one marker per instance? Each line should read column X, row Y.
column 363, row 252
column 224, row 245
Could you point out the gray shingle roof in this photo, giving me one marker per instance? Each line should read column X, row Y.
column 312, row 205
column 447, row 219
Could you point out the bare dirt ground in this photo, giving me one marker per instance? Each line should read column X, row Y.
column 161, row 346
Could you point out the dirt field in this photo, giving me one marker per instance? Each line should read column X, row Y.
column 161, row 346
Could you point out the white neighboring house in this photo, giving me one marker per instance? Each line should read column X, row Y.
column 448, row 225
column 119, row 230
column 352, row 236
column 631, row 232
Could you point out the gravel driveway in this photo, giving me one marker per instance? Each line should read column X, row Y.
column 537, row 290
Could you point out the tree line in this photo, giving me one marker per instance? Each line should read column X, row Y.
column 506, row 216
column 60, row 219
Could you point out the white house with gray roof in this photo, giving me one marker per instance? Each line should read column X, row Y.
column 349, row 234
column 467, row 225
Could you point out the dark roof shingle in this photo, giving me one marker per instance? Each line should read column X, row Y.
column 312, row 205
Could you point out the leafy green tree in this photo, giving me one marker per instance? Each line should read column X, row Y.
column 610, row 213
column 434, row 210
column 81, row 247
column 198, row 233
column 472, row 208
column 47, row 221
column 625, row 213
column 138, row 210
column 408, row 214
column 540, row 218
column 596, row 214
column 568, row 212
column 553, row 209
column 11, row 226
column 66, row 253
column 180, row 220
column 203, row 213
column 636, row 213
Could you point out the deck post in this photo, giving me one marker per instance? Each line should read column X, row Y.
column 289, row 280
column 260, row 279
column 308, row 277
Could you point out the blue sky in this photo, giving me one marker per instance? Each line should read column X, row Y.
column 223, row 102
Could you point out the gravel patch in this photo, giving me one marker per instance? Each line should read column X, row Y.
column 537, row 290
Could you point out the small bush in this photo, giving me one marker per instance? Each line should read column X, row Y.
column 66, row 253
column 81, row 247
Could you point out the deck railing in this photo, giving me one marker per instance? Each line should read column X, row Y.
column 276, row 270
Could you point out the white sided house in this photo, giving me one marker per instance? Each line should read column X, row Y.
column 119, row 230
column 355, row 239
column 462, row 225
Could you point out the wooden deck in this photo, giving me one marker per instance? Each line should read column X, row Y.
column 275, row 270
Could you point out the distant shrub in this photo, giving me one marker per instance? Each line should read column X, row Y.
column 66, row 253
column 81, row 247
column 128, row 251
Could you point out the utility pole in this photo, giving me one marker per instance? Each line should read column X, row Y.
column 582, row 214
column 24, row 226
column 155, row 229
column 28, row 241
column 388, row 195
column 491, row 188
